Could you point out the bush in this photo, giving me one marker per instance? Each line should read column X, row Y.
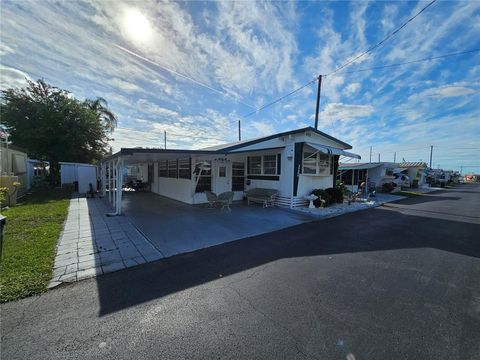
column 387, row 187
column 336, row 195
column 322, row 194
column 330, row 195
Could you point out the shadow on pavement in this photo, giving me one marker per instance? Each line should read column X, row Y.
column 425, row 198
column 371, row 230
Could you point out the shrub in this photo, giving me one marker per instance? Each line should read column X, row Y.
column 330, row 195
column 387, row 187
column 322, row 194
column 336, row 195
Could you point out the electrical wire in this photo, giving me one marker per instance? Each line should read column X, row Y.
column 181, row 75
column 173, row 134
column 279, row 99
column 360, row 70
column 370, row 49
column 410, row 62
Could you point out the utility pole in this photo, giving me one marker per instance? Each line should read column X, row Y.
column 431, row 151
column 318, row 100
column 239, row 132
column 395, row 156
column 378, row 157
column 370, row 154
column 165, row 139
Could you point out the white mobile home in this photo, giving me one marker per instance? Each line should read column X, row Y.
column 353, row 174
column 293, row 162
column 416, row 172
column 13, row 162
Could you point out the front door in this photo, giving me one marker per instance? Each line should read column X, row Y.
column 223, row 176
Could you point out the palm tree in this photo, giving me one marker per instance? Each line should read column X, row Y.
column 106, row 116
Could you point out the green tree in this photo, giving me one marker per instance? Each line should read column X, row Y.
column 54, row 126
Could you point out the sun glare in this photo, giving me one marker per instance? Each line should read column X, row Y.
column 136, row 25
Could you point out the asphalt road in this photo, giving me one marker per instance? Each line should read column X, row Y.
column 401, row 281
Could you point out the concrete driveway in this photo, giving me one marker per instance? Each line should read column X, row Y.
column 174, row 227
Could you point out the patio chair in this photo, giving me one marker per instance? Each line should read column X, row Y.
column 225, row 199
column 211, row 198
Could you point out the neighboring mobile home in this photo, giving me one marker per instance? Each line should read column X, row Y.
column 13, row 162
column 353, row 174
column 416, row 172
column 293, row 162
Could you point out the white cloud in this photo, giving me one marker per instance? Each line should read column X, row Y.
column 352, row 88
column 148, row 107
column 5, row 49
column 262, row 128
column 447, row 91
column 339, row 111
column 12, row 78
column 124, row 85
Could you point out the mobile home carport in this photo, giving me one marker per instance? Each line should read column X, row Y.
column 111, row 169
column 175, row 227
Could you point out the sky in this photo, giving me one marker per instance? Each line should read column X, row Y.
column 193, row 69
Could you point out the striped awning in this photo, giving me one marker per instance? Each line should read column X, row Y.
column 333, row 151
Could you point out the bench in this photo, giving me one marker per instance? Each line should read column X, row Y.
column 259, row 195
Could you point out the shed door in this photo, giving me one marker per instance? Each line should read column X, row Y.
column 86, row 175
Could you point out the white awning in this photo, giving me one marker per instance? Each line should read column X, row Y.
column 333, row 151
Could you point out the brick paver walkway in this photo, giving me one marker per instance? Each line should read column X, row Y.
column 93, row 243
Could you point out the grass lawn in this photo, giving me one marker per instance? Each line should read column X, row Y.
column 407, row 193
column 30, row 238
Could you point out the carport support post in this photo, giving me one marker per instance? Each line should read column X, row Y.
column 114, row 180
column 103, row 178
column 110, row 182
column 119, row 181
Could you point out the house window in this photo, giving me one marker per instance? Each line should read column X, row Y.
column 316, row 163
column 172, row 168
column 255, row 165
column 184, row 170
column 162, row 168
column 263, row 165
column 309, row 163
column 269, row 164
column 203, row 174
column 238, row 176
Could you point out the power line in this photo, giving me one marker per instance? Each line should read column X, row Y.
column 385, row 39
column 359, row 70
column 181, row 75
column 176, row 134
column 410, row 62
column 280, row 98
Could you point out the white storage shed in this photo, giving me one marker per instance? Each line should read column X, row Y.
column 84, row 174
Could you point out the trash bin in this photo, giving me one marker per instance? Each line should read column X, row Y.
column 3, row 221
column 75, row 185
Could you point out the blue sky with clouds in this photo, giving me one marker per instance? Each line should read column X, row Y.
column 138, row 56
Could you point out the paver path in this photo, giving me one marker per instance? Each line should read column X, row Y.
column 93, row 243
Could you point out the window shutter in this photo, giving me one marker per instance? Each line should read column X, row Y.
column 279, row 164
